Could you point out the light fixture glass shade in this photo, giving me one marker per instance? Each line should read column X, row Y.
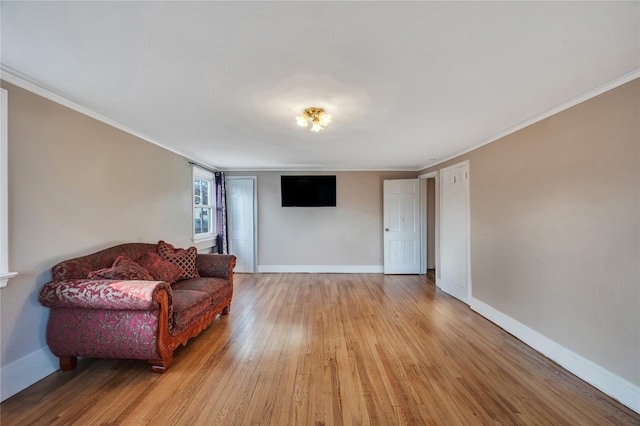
column 318, row 117
column 325, row 118
column 301, row 120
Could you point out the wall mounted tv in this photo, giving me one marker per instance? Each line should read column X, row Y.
column 308, row 191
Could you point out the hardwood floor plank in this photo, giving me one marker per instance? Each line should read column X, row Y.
column 328, row 349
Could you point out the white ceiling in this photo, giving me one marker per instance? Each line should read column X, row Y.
column 408, row 83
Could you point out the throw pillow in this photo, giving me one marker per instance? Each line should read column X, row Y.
column 123, row 268
column 160, row 269
column 184, row 258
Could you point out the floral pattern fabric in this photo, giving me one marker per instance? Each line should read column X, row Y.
column 123, row 268
column 103, row 333
column 217, row 288
column 118, row 318
column 188, row 307
column 215, row 265
column 103, row 294
column 80, row 267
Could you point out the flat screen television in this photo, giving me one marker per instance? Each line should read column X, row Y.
column 308, row 191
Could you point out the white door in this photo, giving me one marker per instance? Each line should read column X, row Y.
column 241, row 221
column 454, row 231
column 402, row 226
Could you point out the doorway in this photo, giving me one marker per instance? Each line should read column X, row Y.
column 241, row 217
column 430, row 217
column 431, row 227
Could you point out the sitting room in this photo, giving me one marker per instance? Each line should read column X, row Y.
column 296, row 213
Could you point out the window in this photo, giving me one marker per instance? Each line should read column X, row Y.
column 203, row 205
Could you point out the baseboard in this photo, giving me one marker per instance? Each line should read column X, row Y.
column 26, row 371
column 321, row 269
column 611, row 384
column 34, row 367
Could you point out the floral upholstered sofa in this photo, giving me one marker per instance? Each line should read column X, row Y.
column 134, row 301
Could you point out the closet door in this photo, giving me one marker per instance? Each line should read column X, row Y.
column 454, row 231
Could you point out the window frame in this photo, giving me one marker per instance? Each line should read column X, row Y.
column 5, row 275
column 208, row 176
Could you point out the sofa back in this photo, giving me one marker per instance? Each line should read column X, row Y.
column 80, row 267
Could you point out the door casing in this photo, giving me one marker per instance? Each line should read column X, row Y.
column 253, row 223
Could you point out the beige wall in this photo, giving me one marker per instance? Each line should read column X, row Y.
column 555, row 228
column 77, row 185
column 554, row 218
column 349, row 234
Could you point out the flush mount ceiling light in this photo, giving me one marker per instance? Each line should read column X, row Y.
column 319, row 119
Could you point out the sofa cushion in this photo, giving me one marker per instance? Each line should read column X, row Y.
column 123, row 268
column 188, row 307
column 184, row 258
column 160, row 269
column 217, row 288
column 79, row 267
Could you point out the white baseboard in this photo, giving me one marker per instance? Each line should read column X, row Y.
column 26, row 371
column 322, row 269
column 34, row 367
column 611, row 384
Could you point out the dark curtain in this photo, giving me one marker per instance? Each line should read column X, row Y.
column 221, row 213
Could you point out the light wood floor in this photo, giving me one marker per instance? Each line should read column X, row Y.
column 316, row 349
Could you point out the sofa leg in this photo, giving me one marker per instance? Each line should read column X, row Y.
column 159, row 365
column 68, row 363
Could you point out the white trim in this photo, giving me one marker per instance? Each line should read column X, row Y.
column 26, row 371
column 546, row 114
column 433, row 174
column 423, row 226
column 4, row 278
column 16, row 78
column 204, row 174
column 205, row 238
column 322, row 269
column 5, row 275
column 611, row 384
column 255, row 216
column 321, row 169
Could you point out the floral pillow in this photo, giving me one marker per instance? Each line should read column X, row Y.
column 123, row 268
column 184, row 258
column 160, row 269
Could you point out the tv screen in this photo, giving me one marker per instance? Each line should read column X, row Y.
column 308, row 191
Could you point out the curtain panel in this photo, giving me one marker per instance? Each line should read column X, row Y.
column 221, row 213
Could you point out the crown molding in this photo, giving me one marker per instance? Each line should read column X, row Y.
column 318, row 169
column 16, row 78
column 548, row 113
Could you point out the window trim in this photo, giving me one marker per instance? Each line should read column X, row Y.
column 5, row 275
column 203, row 174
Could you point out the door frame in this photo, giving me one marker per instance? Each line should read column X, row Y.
column 423, row 213
column 255, row 215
